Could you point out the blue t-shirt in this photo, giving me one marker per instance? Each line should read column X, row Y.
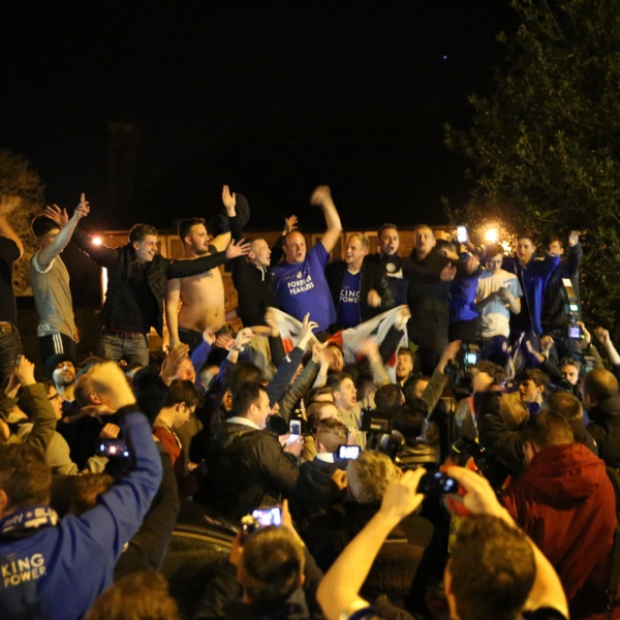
column 302, row 288
column 349, row 301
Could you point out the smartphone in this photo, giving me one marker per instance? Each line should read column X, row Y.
column 294, row 427
column 574, row 332
column 348, row 453
column 114, row 448
column 437, row 483
column 267, row 516
column 471, row 359
column 461, row 234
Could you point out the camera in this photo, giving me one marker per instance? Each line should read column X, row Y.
column 489, row 466
column 459, row 371
column 374, row 421
column 437, row 483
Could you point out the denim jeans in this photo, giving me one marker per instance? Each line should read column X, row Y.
column 134, row 348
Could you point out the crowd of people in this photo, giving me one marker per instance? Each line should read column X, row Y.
column 380, row 426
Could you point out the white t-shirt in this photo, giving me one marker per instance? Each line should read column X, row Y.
column 495, row 316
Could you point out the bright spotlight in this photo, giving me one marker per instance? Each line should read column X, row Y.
column 97, row 241
column 491, row 235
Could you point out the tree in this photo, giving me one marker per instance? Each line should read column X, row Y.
column 545, row 149
column 18, row 179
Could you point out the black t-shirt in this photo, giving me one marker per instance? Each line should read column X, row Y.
column 9, row 253
column 139, row 306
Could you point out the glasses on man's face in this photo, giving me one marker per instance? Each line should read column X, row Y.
column 56, row 396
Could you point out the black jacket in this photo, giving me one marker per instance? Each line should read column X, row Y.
column 315, row 488
column 254, row 284
column 372, row 278
column 499, row 442
column 119, row 262
column 247, row 469
column 605, row 428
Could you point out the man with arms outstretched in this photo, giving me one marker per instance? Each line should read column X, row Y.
column 202, row 295
column 137, row 286
column 299, row 282
column 49, row 278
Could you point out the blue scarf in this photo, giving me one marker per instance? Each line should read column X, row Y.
column 30, row 517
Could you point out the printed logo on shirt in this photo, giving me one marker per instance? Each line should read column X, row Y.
column 20, row 570
column 300, row 285
column 348, row 296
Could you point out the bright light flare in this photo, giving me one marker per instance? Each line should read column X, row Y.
column 97, row 240
column 491, row 235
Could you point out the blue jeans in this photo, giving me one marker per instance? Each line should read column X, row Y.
column 134, row 348
column 10, row 348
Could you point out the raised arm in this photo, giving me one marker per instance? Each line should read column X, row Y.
column 229, row 200
column 101, row 254
column 339, row 591
column 120, row 511
column 575, row 254
column 547, row 590
column 322, row 197
column 67, row 227
column 35, row 403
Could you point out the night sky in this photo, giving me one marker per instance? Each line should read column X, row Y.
column 271, row 98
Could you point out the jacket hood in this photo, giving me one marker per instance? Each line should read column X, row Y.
column 564, row 475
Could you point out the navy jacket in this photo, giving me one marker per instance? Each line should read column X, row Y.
column 534, row 277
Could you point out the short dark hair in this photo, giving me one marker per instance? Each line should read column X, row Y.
column 272, row 565
column 314, row 412
column 246, row 394
column 495, row 371
column 332, row 433
column 25, row 475
column 493, row 249
column 42, row 224
column 319, row 391
column 242, row 372
column 406, row 351
column 600, row 384
column 388, row 398
column 537, row 376
column 526, row 234
column 409, row 420
column 564, row 404
column 181, row 391
column 336, row 378
column 546, row 429
column 138, row 232
column 569, row 361
column 492, row 568
column 385, row 227
column 143, row 594
column 185, row 226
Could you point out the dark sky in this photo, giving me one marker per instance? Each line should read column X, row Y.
column 272, row 98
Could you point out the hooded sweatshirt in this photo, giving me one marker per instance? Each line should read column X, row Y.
column 565, row 502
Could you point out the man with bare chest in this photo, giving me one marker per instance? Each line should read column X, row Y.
column 201, row 296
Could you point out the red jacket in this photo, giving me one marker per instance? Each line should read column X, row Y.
column 565, row 502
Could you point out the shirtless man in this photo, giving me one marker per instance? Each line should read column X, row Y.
column 201, row 296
